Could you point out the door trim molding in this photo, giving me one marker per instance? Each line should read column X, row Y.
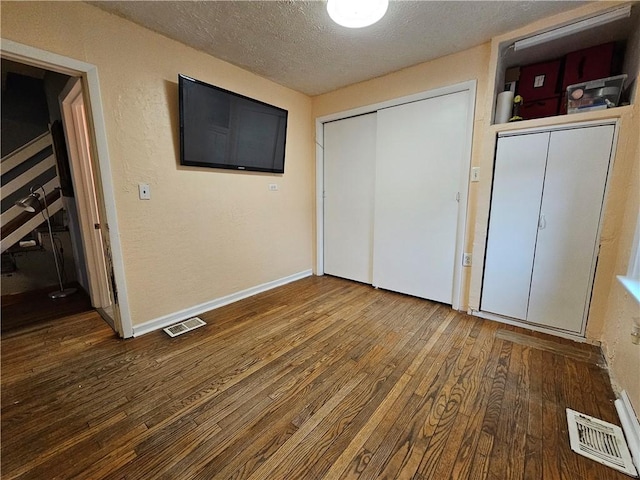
column 69, row 66
column 470, row 86
column 557, row 128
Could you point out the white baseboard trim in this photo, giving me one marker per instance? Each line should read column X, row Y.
column 630, row 426
column 166, row 320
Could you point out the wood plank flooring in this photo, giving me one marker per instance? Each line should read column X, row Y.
column 320, row 379
column 22, row 309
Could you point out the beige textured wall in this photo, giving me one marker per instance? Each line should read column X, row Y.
column 460, row 67
column 205, row 233
column 621, row 309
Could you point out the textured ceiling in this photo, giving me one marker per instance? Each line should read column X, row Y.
column 295, row 43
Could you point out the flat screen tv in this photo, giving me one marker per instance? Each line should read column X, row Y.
column 222, row 129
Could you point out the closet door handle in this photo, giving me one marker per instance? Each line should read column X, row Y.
column 542, row 222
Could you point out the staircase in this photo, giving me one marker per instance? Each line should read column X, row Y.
column 32, row 164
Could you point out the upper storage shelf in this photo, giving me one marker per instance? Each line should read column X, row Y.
column 541, row 63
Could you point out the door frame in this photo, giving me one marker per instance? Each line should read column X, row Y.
column 91, row 85
column 463, row 186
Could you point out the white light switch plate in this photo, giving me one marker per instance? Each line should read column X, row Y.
column 475, row 174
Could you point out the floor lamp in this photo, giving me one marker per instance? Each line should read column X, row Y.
column 31, row 203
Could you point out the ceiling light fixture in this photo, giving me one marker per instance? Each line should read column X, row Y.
column 356, row 13
column 572, row 28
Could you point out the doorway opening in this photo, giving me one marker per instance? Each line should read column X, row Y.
column 97, row 259
column 34, row 154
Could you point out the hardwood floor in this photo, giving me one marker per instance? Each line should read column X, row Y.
column 25, row 309
column 320, row 379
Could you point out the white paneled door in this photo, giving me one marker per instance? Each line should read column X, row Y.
column 515, row 205
column 577, row 167
column 349, row 172
column 420, row 160
column 547, row 199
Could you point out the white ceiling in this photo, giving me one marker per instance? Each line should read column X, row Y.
column 295, row 43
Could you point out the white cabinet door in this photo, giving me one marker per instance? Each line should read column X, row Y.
column 420, row 159
column 349, row 172
column 577, row 166
column 515, row 206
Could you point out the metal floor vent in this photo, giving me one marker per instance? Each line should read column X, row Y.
column 600, row 441
column 184, row 327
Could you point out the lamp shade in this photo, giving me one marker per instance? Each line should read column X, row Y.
column 30, row 203
column 357, row 13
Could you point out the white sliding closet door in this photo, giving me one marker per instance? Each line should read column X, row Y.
column 577, row 167
column 349, row 172
column 420, row 157
column 515, row 207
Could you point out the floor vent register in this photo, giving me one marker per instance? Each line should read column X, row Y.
column 184, row 327
column 600, row 441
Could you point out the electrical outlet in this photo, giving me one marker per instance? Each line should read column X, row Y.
column 273, row 187
column 466, row 259
column 144, row 191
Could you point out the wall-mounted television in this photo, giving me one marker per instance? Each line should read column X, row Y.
column 223, row 129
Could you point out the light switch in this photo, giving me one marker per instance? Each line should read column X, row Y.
column 475, row 174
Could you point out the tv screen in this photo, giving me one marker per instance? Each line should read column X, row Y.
column 222, row 129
